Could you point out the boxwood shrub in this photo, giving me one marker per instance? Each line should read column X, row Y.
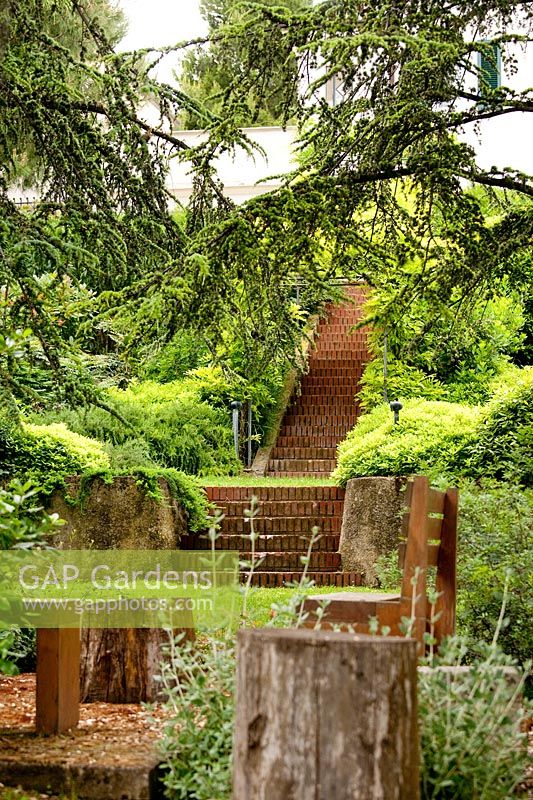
column 503, row 445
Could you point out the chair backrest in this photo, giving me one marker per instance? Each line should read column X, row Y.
column 429, row 539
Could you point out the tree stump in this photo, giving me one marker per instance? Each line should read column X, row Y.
column 118, row 665
column 325, row 716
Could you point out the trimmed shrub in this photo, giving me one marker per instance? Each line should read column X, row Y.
column 170, row 425
column 503, row 445
column 44, row 454
column 430, row 437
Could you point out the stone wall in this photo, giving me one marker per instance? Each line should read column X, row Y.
column 119, row 516
column 371, row 523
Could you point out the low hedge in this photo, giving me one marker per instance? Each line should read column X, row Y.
column 45, row 453
column 431, row 438
column 503, row 444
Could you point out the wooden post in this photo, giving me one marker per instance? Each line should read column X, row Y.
column 446, row 583
column 58, row 679
column 324, row 715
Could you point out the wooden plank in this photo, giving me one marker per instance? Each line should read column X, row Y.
column 436, row 501
column 434, row 525
column 435, row 497
column 432, row 559
column 58, row 680
column 414, row 595
column 446, row 582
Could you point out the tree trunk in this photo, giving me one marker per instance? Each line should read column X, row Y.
column 325, row 716
column 118, row 665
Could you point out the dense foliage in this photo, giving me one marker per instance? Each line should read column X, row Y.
column 437, row 437
column 210, row 75
column 44, row 454
column 503, row 446
column 23, row 525
column 471, row 742
column 430, row 438
column 495, row 564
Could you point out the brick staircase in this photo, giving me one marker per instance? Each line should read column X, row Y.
column 318, row 417
column 323, row 409
column 284, row 524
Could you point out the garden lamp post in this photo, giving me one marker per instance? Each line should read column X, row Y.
column 396, row 407
column 236, row 406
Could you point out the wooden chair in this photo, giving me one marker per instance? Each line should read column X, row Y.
column 428, row 539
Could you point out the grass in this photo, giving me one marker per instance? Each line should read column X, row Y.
column 260, row 601
column 252, row 480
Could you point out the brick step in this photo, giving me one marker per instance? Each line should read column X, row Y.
column 320, row 413
column 333, row 371
column 322, row 398
column 289, row 542
column 286, row 508
column 307, row 441
column 344, row 339
column 326, row 465
column 336, row 415
column 347, row 408
column 342, row 384
column 350, row 358
column 321, row 419
column 325, row 578
column 344, row 334
column 292, row 561
column 281, row 526
column 346, row 316
column 274, row 493
column 291, row 474
column 304, row 452
column 339, row 431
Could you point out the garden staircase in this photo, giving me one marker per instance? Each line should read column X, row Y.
column 319, row 415
column 284, row 524
column 323, row 408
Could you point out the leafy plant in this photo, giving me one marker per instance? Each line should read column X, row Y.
column 503, row 444
column 430, row 438
column 23, row 525
column 472, row 744
column 495, row 552
column 45, row 454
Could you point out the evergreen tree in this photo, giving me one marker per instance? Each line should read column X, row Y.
column 378, row 194
column 212, row 70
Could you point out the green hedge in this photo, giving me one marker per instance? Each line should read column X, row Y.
column 503, row 444
column 495, row 552
column 430, row 437
column 185, row 425
column 45, row 453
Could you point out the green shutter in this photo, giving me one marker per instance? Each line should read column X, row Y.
column 489, row 67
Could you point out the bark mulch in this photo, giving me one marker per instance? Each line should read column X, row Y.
column 108, row 736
